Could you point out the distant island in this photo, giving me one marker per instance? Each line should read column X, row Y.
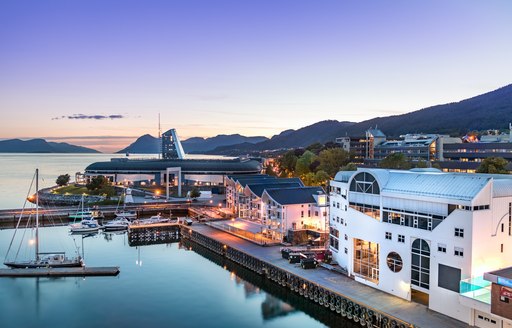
column 41, row 146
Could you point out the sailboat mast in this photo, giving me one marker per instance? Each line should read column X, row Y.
column 37, row 214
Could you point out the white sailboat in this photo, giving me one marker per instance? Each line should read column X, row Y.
column 41, row 259
column 124, row 213
column 87, row 225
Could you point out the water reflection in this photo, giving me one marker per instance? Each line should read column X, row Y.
column 153, row 236
column 280, row 301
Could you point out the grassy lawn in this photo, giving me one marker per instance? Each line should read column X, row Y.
column 71, row 189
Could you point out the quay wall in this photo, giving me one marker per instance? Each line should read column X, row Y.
column 314, row 292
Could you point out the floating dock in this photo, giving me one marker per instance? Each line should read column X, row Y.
column 60, row 272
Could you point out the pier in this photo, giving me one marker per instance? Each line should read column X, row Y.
column 339, row 293
column 60, row 272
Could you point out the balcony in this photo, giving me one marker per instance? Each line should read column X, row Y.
column 476, row 289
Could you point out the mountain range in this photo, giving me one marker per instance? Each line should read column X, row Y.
column 148, row 144
column 492, row 110
column 41, row 146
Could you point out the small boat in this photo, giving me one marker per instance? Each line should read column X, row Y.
column 42, row 259
column 153, row 220
column 130, row 215
column 87, row 225
column 117, row 225
column 80, row 215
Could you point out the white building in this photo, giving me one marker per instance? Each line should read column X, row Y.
column 416, row 234
column 288, row 210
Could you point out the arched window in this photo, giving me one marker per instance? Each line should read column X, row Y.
column 420, row 266
column 365, row 182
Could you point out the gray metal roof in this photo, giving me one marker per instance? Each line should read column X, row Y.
column 442, row 185
column 228, row 166
column 290, row 196
column 259, row 188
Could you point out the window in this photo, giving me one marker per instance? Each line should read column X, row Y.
column 394, row 262
column 346, row 237
column 420, row 266
column 389, row 235
column 346, row 250
column 365, row 183
column 316, row 213
column 301, row 214
column 337, row 205
column 441, row 248
column 502, row 248
column 309, row 213
column 401, row 238
column 458, row 251
column 341, row 220
column 459, row 232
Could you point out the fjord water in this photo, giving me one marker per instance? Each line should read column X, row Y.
column 162, row 285
column 17, row 170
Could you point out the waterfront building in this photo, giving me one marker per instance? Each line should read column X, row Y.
column 420, row 234
column 250, row 206
column 171, row 145
column 293, row 214
column 173, row 168
column 234, row 185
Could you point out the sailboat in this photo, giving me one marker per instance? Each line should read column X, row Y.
column 124, row 213
column 41, row 259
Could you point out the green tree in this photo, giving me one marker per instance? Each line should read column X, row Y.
column 349, row 167
column 303, row 163
column 288, row 161
column 495, row 165
column 421, row 164
column 62, row 179
column 99, row 185
column 396, row 161
column 322, row 178
column 315, row 148
column 194, row 193
column 332, row 159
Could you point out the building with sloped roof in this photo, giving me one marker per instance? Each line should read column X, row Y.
column 286, row 210
column 423, row 235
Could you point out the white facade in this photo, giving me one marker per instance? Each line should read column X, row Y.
column 279, row 217
column 444, row 227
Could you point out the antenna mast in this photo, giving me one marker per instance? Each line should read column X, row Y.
column 37, row 214
column 159, row 134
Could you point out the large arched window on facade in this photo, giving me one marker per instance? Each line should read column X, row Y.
column 420, row 267
column 365, row 182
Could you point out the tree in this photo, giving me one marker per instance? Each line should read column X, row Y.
column 495, row 165
column 322, row 178
column 332, row 159
column 421, row 164
column 349, row 167
column 288, row 161
column 396, row 161
column 315, row 148
column 303, row 163
column 194, row 193
column 62, row 180
column 100, row 185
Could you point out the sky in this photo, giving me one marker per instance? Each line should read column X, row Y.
column 98, row 73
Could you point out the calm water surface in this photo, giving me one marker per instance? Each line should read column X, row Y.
column 162, row 285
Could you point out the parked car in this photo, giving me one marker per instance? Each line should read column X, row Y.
column 294, row 258
column 308, row 263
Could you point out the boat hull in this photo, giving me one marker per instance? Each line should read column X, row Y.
column 33, row 265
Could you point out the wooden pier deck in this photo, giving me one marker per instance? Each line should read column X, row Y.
column 414, row 314
column 60, row 272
